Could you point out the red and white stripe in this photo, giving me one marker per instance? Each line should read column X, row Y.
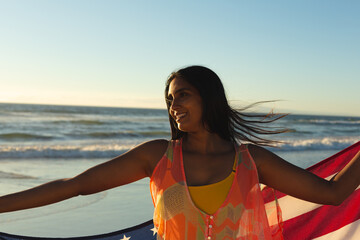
column 304, row 220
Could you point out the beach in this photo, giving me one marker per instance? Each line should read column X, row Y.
column 41, row 143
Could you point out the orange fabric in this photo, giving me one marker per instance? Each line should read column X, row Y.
column 241, row 216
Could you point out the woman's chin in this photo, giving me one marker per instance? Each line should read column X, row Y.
column 183, row 127
column 188, row 129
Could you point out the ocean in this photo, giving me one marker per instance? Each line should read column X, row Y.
column 40, row 143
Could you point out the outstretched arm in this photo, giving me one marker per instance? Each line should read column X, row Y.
column 129, row 167
column 277, row 173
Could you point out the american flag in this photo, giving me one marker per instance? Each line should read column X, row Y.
column 302, row 220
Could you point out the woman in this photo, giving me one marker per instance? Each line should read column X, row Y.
column 203, row 184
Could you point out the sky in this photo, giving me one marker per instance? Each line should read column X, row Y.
column 305, row 54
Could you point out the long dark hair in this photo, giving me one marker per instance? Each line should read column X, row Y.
column 218, row 116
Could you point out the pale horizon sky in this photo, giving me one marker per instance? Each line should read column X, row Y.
column 119, row 53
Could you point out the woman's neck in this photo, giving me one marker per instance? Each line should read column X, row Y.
column 205, row 143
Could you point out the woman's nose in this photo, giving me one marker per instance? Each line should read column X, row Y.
column 174, row 105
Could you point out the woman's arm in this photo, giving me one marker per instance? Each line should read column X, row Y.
column 277, row 173
column 128, row 167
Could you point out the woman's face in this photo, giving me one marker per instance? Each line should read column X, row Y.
column 185, row 105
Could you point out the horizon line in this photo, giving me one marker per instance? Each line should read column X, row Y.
column 154, row 108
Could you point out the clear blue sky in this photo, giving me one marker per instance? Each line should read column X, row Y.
column 119, row 53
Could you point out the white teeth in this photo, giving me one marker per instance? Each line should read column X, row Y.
column 178, row 116
column 181, row 115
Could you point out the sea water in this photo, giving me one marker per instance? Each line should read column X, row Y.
column 41, row 143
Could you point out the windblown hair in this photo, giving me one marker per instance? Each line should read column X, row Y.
column 218, row 116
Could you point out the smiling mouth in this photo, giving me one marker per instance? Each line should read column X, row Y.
column 178, row 117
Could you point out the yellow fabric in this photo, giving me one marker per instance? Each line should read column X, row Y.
column 210, row 197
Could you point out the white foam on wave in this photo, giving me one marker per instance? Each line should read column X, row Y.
column 63, row 151
column 326, row 121
column 326, row 143
column 110, row 150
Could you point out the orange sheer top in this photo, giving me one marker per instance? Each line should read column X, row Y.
column 241, row 216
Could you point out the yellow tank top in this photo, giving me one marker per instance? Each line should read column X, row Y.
column 210, row 197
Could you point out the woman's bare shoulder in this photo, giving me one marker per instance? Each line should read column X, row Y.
column 153, row 151
column 154, row 147
column 266, row 161
column 260, row 154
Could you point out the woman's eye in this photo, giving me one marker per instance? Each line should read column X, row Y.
column 183, row 94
